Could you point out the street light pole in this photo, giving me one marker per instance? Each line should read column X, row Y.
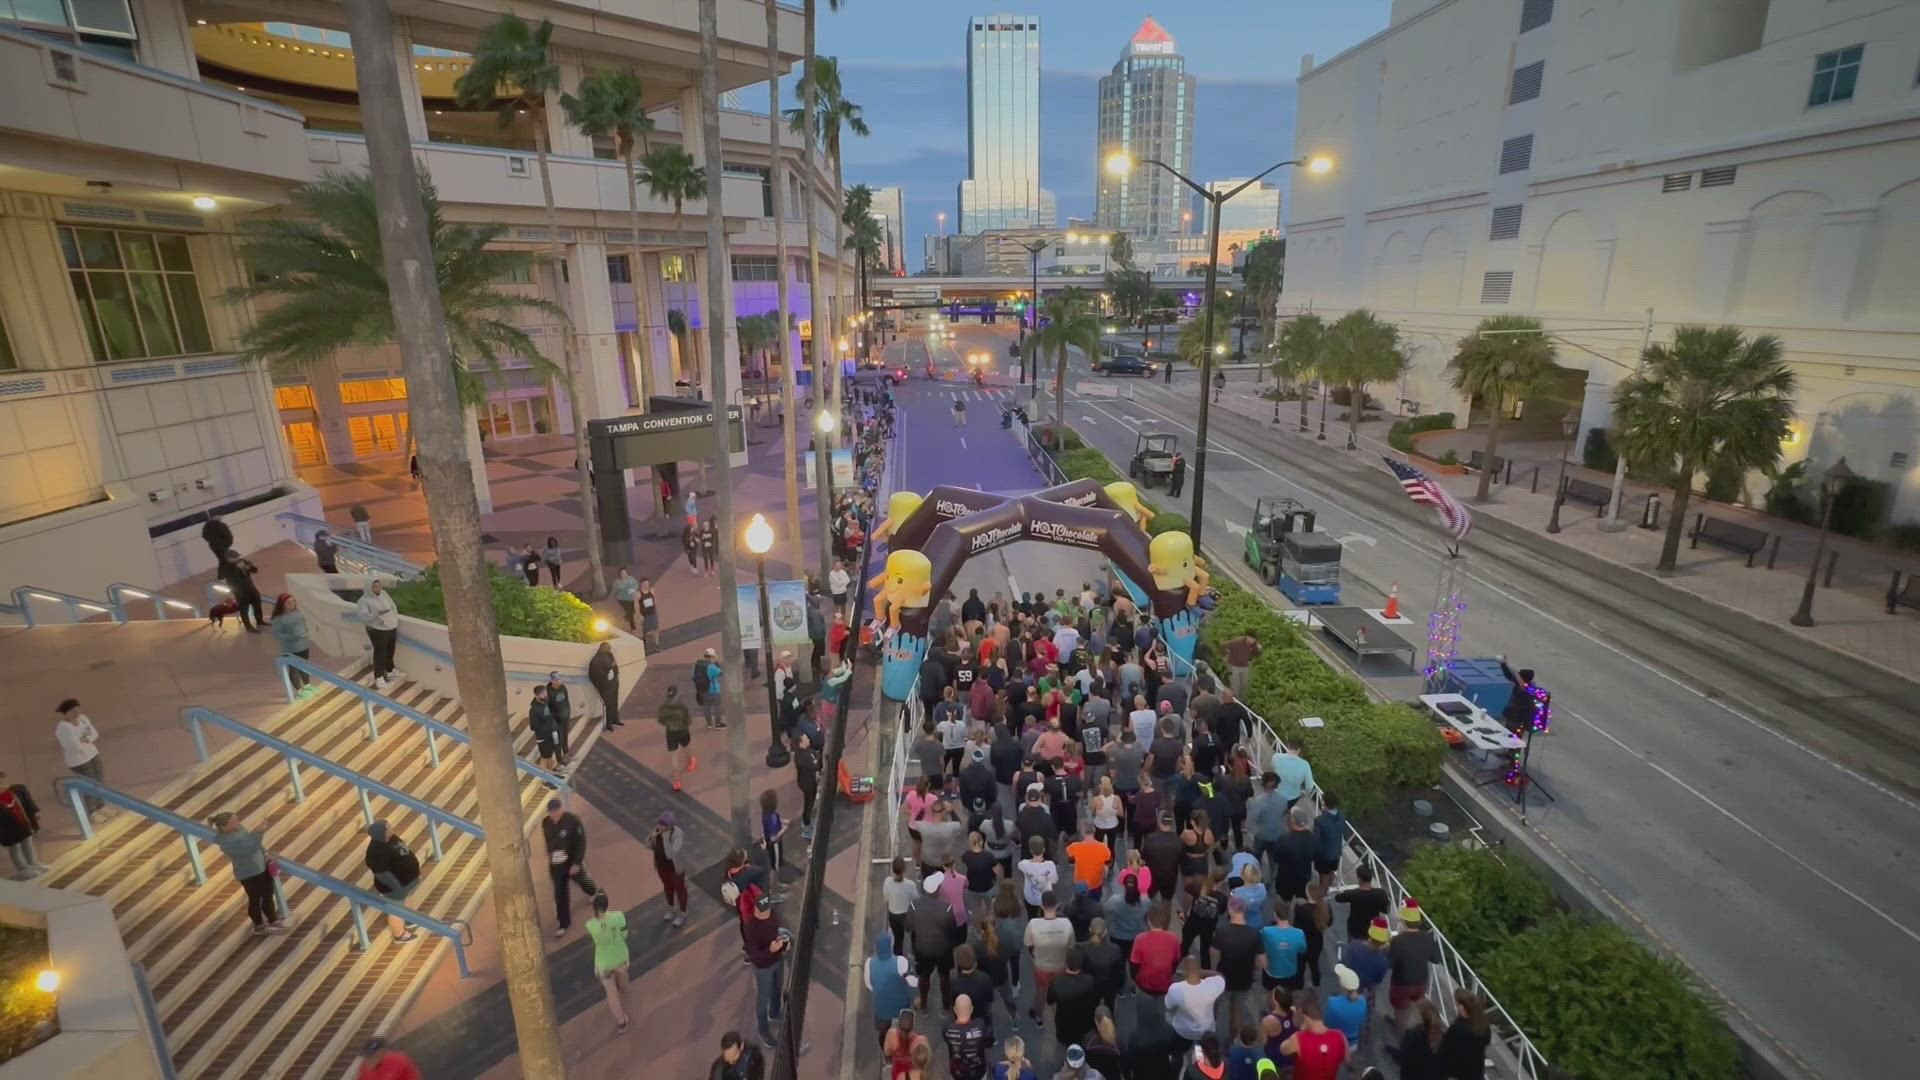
column 1033, row 312
column 759, row 539
column 1568, row 424
column 1120, row 163
column 1836, row 477
column 1613, row 522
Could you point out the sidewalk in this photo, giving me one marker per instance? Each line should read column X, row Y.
column 1850, row 616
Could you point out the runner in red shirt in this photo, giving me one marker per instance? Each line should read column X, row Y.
column 1155, row 953
column 837, row 635
column 1318, row 1051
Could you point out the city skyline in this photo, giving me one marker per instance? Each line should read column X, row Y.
column 898, row 64
column 1002, row 188
column 1146, row 113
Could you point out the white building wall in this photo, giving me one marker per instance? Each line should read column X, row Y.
column 1815, row 238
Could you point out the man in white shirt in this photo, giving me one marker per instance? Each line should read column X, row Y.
column 79, row 747
column 1142, row 720
column 838, row 580
column 1190, row 1001
column 1066, row 638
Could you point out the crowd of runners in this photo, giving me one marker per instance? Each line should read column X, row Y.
column 1104, row 882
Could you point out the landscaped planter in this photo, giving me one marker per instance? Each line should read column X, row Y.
column 103, row 1027
column 425, row 651
column 1432, row 466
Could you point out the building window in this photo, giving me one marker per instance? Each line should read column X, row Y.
column 1526, row 82
column 756, row 268
column 1535, row 14
column 1497, row 287
column 673, row 268
column 293, row 397
column 515, row 275
column 801, row 271
column 367, row 391
column 99, row 26
column 1516, row 154
column 137, row 293
column 617, row 272
column 1834, row 74
column 1506, row 223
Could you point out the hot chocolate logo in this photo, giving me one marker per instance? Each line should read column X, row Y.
column 1063, row 534
column 993, row 538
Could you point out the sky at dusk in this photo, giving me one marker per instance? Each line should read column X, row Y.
column 904, row 62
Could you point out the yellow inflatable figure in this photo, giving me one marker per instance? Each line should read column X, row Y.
column 900, row 507
column 1174, row 565
column 1128, row 497
column 907, row 583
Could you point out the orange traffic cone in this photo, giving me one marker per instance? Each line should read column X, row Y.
column 1393, row 601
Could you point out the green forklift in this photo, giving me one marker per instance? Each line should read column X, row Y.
column 1274, row 518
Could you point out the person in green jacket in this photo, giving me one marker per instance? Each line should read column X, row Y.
column 246, row 852
column 678, row 723
column 608, row 929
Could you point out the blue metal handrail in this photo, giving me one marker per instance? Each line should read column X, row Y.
column 371, row 698
column 150, row 1012
column 194, row 716
column 24, row 595
column 77, row 789
column 118, row 592
column 351, row 550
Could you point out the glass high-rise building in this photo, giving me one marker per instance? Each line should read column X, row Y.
column 1146, row 111
column 1002, row 189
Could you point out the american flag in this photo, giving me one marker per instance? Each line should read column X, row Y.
column 1421, row 488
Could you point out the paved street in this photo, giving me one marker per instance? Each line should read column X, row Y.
column 1684, row 757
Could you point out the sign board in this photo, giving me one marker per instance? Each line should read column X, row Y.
column 637, row 442
column 786, row 606
column 842, row 462
column 806, row 329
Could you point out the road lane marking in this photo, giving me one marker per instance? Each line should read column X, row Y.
column 963, row 442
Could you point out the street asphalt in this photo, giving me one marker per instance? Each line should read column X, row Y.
column 1750, row 806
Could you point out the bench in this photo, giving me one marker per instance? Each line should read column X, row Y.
column 1478, row 458
column 1725, row 534
column 1598, row 496
column 1907, row 595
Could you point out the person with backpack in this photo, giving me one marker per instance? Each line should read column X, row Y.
column 706, row 687
column 396, row 873
column 19, row 822
column 678, row 724
column 737, row 1060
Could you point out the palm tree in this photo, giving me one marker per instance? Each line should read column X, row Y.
column 611, row 105
column 513, row 70
column 1193, row 345
column 1298, row 352
column 1361, row 349
column 1712, row 398
column 1164, row 308
column 758, row 335
column 401, row 228
column 825, row 381
column 670, row 174
column 1506, row 358
column 1263, row 275
column 776, row 178
column 325, row 277
column 833, row 113
column 864, row 239
column 1069, row 321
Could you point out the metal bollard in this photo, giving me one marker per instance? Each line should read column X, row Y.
column 1533, row 486
column 1774, row 551
column 1276, row 412
column 1508, row 481
column 1650, row 517
column 1833, row 559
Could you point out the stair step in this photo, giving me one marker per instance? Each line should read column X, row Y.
column 227, row 999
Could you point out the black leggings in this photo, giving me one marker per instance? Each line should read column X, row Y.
column 1200, row 930
column 261, row 906
column 384, row 643
column 808, row 796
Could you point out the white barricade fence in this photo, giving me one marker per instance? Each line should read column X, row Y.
column 912, row 714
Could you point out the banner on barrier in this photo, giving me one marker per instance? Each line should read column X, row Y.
column 786, row 606
column 842, row 461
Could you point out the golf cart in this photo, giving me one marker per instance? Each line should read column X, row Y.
column 1153, row 458
column 1273, row 519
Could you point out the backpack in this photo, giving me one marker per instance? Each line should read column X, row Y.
column 406, row 865
column 700, row 681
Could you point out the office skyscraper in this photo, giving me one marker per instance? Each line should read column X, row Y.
column 1146, row 110
column 889, row 209
column 1002, row 189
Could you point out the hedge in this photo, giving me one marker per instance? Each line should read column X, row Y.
column 522, row 610
column 1599, row 1005
column 1400, row 435
column 1480, row 900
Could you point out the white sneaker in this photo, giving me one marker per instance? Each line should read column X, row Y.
column 559, row 931
column 32, row 872
column 396, row 675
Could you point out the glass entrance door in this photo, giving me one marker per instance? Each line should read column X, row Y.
column 303, row 442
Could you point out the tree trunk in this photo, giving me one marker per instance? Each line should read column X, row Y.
column 640, row 321
column 776, row 177
column 1677, row 517
column 1060, row 399
column 823, row 332
column 1356, row 399
column 453, row 509
column 733, row 681
column 1483, row 491
column 1300, row 387
column 840, row 290
column 570, row 366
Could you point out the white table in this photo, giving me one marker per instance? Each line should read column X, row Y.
column 1484, row 734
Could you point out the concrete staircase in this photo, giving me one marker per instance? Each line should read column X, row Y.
column 300, row 1004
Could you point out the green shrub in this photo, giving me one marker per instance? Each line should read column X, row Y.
column 1904, row 536
column 1725, row 480
column 1598, row 1004
column 1087, row 463
column 1364, row 751
column 1400, row 435
column 1166, row 521
column 1477, row 900
column 522, row 610
column 1860, row 510
column 1597, row 452
column 1286, row 684
column 1448, row 458
column 1240, row 613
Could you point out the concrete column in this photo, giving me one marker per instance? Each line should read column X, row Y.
column 651, row 293
column 602, row 390
column 690, row 119
column 1841, row 240
column 166, row 37
column 403, row 60
column 562, row 136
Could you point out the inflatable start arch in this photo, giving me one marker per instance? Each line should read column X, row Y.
column 930, row 538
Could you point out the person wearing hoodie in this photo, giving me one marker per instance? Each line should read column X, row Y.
column 890, row 983
column 546, row 738
column 561, row 703
column 930, row 924
column 246, row 852
column 1330, row 839
column 603, row 671
column 376, row 611
column 396, row 873
column 666, row 841
column 19, row 822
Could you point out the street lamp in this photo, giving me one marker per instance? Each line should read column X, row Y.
column 1033, row 251
column 759, row 538
column 1121, row 164
column 1568, row 425
column 1835, row 478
